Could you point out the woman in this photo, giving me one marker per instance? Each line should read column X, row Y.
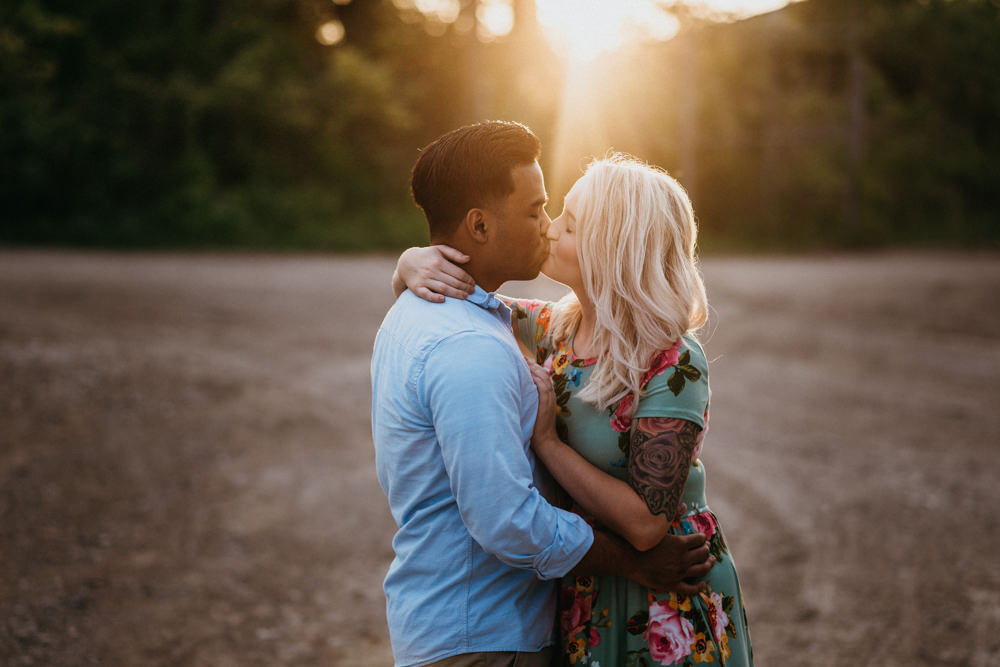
column 622, row 421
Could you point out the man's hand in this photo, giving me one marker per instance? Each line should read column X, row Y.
column 666, row 567
column 673, row 562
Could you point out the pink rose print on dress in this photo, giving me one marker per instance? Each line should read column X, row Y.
column 669, row 635
column 622, row 419
column 595, row 638
column 703, row 523
column 662, row 361
column 716, row 615
column 576, row 611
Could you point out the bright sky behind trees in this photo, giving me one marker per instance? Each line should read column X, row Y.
column 583, row 29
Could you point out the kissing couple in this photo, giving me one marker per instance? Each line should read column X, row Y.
column 541, row 459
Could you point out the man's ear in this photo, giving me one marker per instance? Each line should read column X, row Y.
column 478, row 225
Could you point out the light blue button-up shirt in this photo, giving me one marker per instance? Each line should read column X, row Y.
column 453, row 406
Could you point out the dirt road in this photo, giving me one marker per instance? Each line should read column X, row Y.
column 186, row 470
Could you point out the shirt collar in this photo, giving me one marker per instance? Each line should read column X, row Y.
column 484, row 299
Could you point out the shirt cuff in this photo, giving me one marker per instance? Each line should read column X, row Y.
column 572, row 541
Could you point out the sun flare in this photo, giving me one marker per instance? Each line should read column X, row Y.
column 584, row 29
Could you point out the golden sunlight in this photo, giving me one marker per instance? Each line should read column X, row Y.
column 742, row 8
column 584, row 29
column 495, row 19
column 330, row 33
column 590, row 118
column 445, row 11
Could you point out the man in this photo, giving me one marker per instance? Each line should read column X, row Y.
column 453, row 407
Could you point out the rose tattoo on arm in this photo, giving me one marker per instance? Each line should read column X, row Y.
column 658, row 461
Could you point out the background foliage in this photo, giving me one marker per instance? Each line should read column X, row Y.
column 212, row 123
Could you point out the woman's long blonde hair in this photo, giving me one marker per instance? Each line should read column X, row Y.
column 636, row 236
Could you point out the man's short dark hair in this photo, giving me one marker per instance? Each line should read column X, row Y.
column 469, row 168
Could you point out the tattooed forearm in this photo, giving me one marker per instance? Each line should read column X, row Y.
column 659, row 458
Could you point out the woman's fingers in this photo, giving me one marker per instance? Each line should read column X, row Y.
column 539, row 374
column 455, row 282
column 447, row 265
column 454, row 275
column 428, row 295
column 461, row 280
column 444, row 289
column 431, row 273
column 452, row 254
column 543, row 384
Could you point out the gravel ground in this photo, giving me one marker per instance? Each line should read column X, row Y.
column 186, row 470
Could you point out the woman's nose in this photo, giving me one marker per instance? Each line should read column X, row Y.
column 552, row 233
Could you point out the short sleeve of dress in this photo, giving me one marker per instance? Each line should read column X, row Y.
column 531, row 318
column 680, row 390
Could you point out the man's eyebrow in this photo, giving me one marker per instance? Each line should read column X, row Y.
column 540, row 202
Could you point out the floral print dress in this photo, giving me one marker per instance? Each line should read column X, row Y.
column 613, row 621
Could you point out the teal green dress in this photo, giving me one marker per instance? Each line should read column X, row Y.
column 613, row 621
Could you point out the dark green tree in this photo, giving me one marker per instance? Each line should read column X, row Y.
column 200, row 122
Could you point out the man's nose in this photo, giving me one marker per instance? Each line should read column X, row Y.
column 546, row 224
column 551, row 232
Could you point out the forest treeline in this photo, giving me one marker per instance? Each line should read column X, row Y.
column 214, row 123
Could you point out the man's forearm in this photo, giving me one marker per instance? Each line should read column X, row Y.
column 609, row 555
column 665, row 567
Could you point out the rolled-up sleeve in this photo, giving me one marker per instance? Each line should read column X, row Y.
column 472, row 386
